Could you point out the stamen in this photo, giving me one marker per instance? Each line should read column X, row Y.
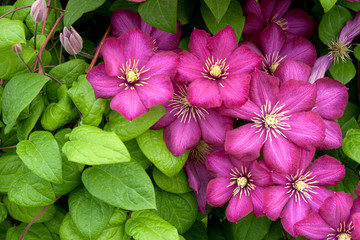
column 199, row 153
column 242, row 180
column 301, row 185
column 215, row 70
column 131, row 74
column 339, row 50
column 271, row 62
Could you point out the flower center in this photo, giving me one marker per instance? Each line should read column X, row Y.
column 270, row 120
column 282, row 23
column 271, row 62
column 300, row 185
column 339, row 50
column 132, row 75
column 215, row 70
column 344, row 236
column 199, row 153
column 241, row 182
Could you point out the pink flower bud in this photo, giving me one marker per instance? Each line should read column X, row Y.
column 16, row 48
column 38, row 11
column 71, row 41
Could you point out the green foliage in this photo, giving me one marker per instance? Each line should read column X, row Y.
column 11, row 32
column 76, row 8
column 218, row 7
column 37, row 232
column 175, row 184
column 11, row 168
column 343, row 71
column 327, row 4
column 351, row 143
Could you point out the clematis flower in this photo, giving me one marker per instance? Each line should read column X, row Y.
column 331, row 99
column 185, row 124
column 281, row 125
column 259, row 14
column 217, row 69
column 133, row 74
column 338, row 219
column 124, row 20
column 275, row 48
column 240, row 182
column 300, row 192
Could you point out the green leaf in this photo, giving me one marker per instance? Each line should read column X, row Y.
column 37, row 232
column 351, row 143
column 41, row 154
column 355, row 6
column 249, row 227
column 11, row 32
column 83, row 96
column 19, row 93
column 343, row 71
column 25, row 126
column 352, row 123
column 128, row 130
column 90, row 215
column 275, row 231
column 11, row 167
column 357, row 51
column 175, row 184
column 350, row 111
column 61, row 113
column 218, row 7
column 3, row 212
column 26, row 214
column 4, row 227
column 69, row 71
column 178, row 210
column 121, row 4
column 62, row 136
column 331, row 24
column 54, row 224
column 91, row 145
column 76, row 8
column 327, row 4
column 136, row 154
column 185, row 10
column 153, row 146
column 68, row 230
column 123, row 185
column 233, row 17
column 146, row 225
column 31, row 191
column 6, row 9
column 160, row 14
column 196, row 232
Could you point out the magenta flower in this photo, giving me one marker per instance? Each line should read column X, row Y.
column 217, row 69
column 338, row 219
column 131, row 73
column 300, row 192
column 258, row 15
column 185, row 124
column 240, row 182
column 281, row 125
column 124, row 20
column 331, row 99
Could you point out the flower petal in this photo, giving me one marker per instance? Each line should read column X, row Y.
column 113, row 55
column 219, row 164
column 274, row 9
column 300, row 23
column 198, row 44
column 205, row 93
column 257, row 201
column 234, row 90
column 245, row 112
column 238, row 207
column 244, row 143
column 275, row 198
column 217, row 192
column 281, row 155
column 319, row 196
column 223, row 43
column 252, row 28
column 189, row 68
column 333, row 135
column 321, row 65
column 272, row 39
column 300, row 49
column 165, row 40
column 260, row 175
column 351, row 29
column 290, row 93
column 128, row 104
column 123, row 20
column 356, row 221
column 104, row 85
column 289, row 69
column 263, row 88
column 307, row 129
column 253, row 6
column 180, row 136
column 306, row 158
column 332, row 98
column 331, row 175
column 313, row 227
column 243, row 60
column 161, row 63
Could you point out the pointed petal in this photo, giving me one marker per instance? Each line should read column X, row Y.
column 257, row 201
column 290, row 93
column 332, row 98
column 272, row 39
column 214, row 127
column 300, row 23
column 244, row 143
column 180, row 136
column 321, row 65
column 331, row 175
column 274, row 9
column 243, row 60
column 161, row 63
column 300, row 49
column 189, row 68
column 260, row 175
column 263, row 88
column 351, row 29
column 128, row 104
column 336, row 209
column 219, row 164
column 289, row 69
column 124, row 20
column 252, row 6
column 225, row 38
column 294, row 212
column 198, row 44
column 275, row 198
column 245, row 112
column 313, row 227
column 104, row 85
column 356, row 221
column 205, row 93
column 307, row 129
column 234, row 90
column 305, row 158
column 165, row 40
column 333, row 135
column 217, row 193
column 318, row 198
column 113, row 55
column 281, row 155
column 238, row 207
column 252, row 47
column 254, row 24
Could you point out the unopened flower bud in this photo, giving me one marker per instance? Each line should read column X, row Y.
column 38, row 11
column 16, row 48
column 71, row 41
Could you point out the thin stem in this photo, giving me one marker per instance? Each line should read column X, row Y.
column 53, row 78
column 14, row 11
column 60, row 54
column 8, row 147
column 34, row 219
column 86, row 55
column 35, row 33
column 51, row 48
column 47, row 14
column 22, row 60
column 57, row 9
column 92, row 64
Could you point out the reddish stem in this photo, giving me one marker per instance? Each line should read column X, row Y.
column 14, row 10
column 1, row 148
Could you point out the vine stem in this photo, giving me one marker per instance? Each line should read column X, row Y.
column 8, row 147
column 34, row 219
column 16, row 9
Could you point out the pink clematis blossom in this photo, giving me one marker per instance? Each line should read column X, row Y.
column 260, row 14
column 281, row 125
column 300, row 192
column 338, row 219
column 217, row 69
column 133, row 74
column 240, row 182
column 124, row 20
column 185, row 124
